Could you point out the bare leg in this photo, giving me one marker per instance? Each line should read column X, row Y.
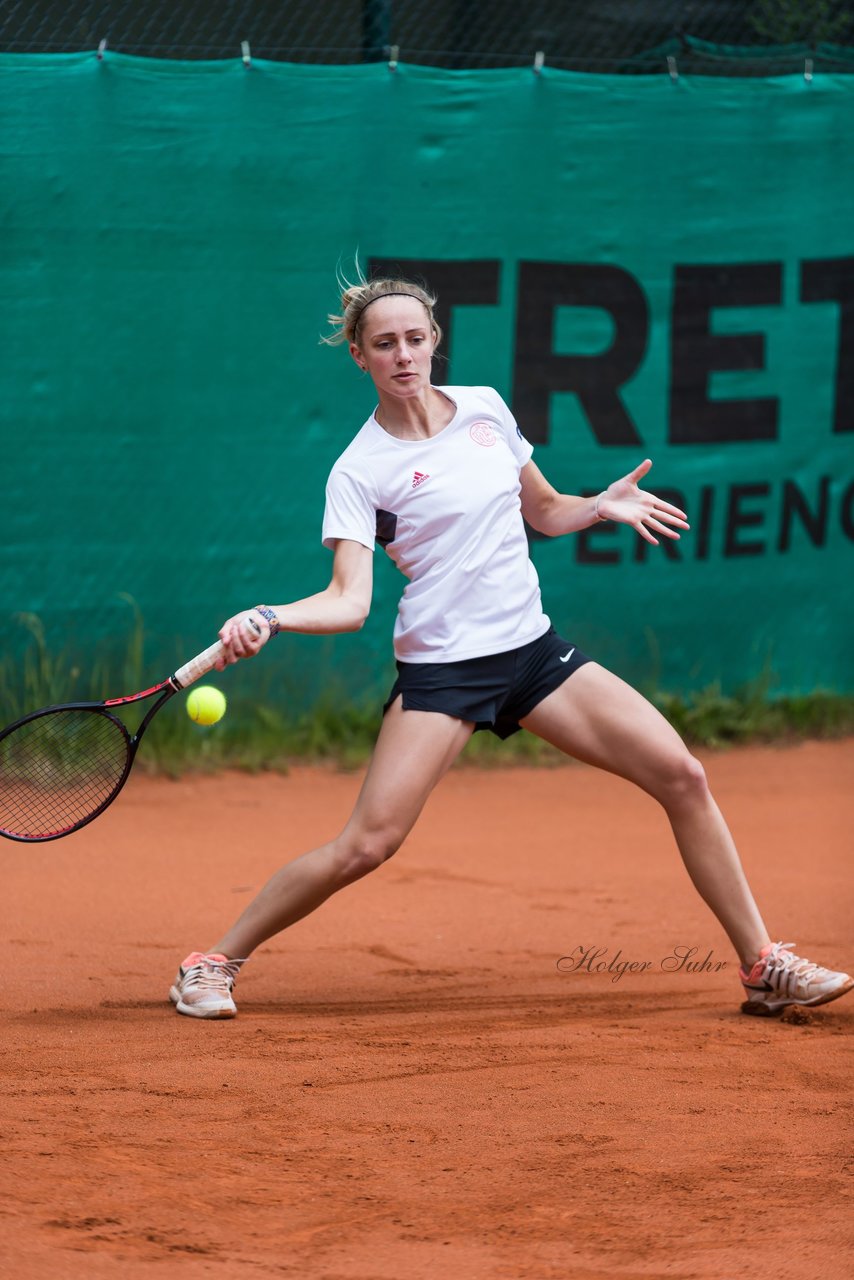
column 597, row 718
column 414, row 750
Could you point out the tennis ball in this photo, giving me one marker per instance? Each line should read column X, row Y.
column 206, row 704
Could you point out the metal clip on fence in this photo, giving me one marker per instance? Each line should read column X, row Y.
column 672, row 68
column 539, row 60
column 246, row 53
column 393, row 54
column 101, row 47
column 808, row 70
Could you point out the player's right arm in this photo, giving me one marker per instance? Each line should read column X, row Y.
column 342, row 606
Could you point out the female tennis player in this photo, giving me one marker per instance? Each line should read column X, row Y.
column 441, row 477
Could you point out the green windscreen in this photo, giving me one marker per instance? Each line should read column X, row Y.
column 642, row 267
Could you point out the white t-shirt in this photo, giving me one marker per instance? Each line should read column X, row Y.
column 448, row 513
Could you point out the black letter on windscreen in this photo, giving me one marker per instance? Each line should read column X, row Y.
column 596, row 380
column 697, row 353
column 832, row 280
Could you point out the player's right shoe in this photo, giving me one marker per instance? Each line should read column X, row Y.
column 779, row 978
column 203, row 986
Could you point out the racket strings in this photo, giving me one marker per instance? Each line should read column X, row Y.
column 59, row 769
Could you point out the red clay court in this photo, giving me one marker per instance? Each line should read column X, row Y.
column 413, row 1088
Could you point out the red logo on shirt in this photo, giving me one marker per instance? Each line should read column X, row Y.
column 419, row 478
column 482, row 433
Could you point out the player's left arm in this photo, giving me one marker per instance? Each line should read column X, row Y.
column 554, row 513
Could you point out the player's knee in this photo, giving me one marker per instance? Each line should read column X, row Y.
column 366, row 851
column 685, row 782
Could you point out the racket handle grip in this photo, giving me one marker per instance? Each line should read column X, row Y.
column 198, row 666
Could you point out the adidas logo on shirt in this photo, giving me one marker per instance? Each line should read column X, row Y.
column 419, row 478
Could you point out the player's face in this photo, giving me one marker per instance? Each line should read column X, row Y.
column 396, row 346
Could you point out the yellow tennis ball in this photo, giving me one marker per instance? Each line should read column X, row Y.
column 206, row 704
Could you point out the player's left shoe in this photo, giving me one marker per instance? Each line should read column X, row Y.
column 203, row 986
column 779, row 978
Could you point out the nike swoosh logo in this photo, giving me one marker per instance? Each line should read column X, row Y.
column 567, row 657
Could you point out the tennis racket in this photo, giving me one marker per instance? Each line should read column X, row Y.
column 62, row 766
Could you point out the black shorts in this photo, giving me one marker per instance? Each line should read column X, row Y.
column 495, row 692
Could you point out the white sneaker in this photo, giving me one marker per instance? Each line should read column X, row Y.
column 780, row 978
column 203, row 986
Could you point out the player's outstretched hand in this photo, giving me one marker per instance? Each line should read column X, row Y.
column 625, row 502
column 242, row 636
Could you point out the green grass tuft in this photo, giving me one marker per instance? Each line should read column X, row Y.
column 711, row 719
